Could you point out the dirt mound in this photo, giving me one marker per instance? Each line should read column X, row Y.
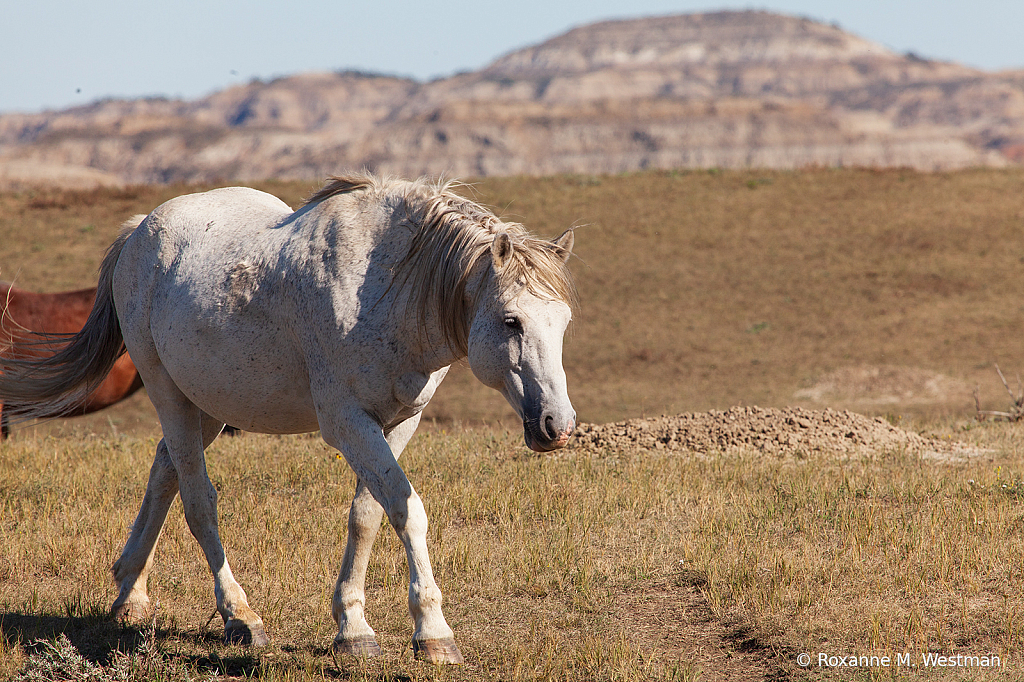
column 790, row 430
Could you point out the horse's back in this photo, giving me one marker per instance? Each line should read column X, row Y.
column 58, row 313
column 24, row 315
column 199, row 296
column 198, row 239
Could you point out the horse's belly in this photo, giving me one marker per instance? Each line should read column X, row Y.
column 254, row 381
column 264, row 404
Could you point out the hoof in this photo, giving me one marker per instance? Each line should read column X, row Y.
column 437, row 651
column 363, row 647
column 237, row 632
column 131, row 613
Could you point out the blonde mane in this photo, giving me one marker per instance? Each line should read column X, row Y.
column 451, row 236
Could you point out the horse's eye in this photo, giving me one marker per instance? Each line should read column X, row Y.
column 513, row 323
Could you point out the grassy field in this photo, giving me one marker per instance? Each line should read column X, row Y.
column 591, row 565
column 705, row 290
column 892, row 293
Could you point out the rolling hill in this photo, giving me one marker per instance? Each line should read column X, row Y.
column 728, row 89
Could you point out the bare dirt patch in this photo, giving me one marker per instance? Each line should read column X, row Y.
column 885, row 385
column 670, row 618
column 786, row 431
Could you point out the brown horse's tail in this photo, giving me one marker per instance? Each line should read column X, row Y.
column 59, row 383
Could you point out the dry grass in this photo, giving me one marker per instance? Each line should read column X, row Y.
column 54, row 239
column 588, row 566
column 705, row 290
column 700, row 290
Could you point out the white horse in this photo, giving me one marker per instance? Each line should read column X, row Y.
column 342, row 316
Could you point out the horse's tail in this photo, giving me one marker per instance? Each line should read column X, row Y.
column 58, row 384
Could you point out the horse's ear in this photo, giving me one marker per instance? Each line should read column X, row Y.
column 563, row 245
column 501, row 250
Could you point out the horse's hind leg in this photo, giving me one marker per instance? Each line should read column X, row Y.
column 187, row 431
column 355, row 636
column 131, row 570
column 198, row 496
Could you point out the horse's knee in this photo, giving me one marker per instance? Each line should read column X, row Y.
column 409, row 517
column 365, row 514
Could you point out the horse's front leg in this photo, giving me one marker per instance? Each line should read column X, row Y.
column 355, row 636
column 363, row 444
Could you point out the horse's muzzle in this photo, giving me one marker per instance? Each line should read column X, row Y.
column 545, row 434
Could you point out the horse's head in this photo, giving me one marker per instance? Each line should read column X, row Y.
column 515, row 339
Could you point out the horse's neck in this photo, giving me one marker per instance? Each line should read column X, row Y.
column 423, row 333
column 429, row 350
column 343, row 229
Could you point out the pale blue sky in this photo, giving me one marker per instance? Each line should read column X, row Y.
column 60, row 53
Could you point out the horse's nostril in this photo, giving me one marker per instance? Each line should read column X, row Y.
column 549, row 427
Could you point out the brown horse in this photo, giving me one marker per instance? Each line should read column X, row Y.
column 27, row 318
